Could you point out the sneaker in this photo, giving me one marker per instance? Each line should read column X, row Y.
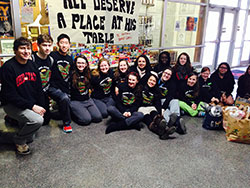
column 168, row 132
column 22, row 149
column 201, row 114
column 180, row 126
column 67, row 128
column 172, row 120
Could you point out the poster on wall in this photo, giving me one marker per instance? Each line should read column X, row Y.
column 6, row 29
column 191, row 23
column 95, row 21
column 29, row 3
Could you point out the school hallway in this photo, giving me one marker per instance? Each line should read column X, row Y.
column 89, row 158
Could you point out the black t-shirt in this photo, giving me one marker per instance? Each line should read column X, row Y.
column 61, row 71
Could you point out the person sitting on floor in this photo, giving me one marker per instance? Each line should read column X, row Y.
column 169, row 102
column 152, row 109
column 189, row 98
column 207, row 91
column 83, row 108
column 124, row 114
column 102, row 86
column 244, row 85
column 223, row 82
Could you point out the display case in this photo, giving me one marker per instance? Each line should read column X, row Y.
column 146, row 25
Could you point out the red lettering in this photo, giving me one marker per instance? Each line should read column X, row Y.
column 28, row 76
column 20, row 80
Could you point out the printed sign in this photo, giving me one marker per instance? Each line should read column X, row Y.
column 95, row 21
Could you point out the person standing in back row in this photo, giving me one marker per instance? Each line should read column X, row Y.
column 59, row 89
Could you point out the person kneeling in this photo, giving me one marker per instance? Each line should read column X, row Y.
column 22, row 94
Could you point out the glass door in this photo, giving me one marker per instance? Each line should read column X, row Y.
column 219, row 38
column 246, row 44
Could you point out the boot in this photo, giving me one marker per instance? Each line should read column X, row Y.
column 172, row 120
column 180, row 126
column 113, row 126
column 158, row 125
column 168, row 131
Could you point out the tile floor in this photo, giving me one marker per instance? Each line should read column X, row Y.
column 87, row 158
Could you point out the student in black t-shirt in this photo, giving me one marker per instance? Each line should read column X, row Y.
column 152, row 109
column 22, row 94
column 102, row 86
column 59, row 89
column 223, row 82
column 207, row 90
column 124, row 114
column 244, row 84
column 83, row 108
column 43, row 62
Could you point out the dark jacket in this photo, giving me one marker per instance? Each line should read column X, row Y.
column 224, row 85
column 244, row 86
column 160, row 67
column 21, row 85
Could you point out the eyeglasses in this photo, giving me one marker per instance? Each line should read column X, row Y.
column 165, row 73
column 223, row 67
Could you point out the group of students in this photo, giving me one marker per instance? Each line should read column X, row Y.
column 131, row 95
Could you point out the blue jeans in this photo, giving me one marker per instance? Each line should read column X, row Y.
column 133, row 119
column 84, row 112
column 102, row 105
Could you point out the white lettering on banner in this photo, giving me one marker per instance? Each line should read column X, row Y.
column 95, row 21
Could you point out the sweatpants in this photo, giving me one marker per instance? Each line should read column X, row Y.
column 102, row 105
column 63, row 102
column 28, row 121
column 133, row 119
column 186, row 108
column 85, row 112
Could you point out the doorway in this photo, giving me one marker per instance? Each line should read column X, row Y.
column 220, row 36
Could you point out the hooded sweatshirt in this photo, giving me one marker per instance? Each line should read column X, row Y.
column 160, row 67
